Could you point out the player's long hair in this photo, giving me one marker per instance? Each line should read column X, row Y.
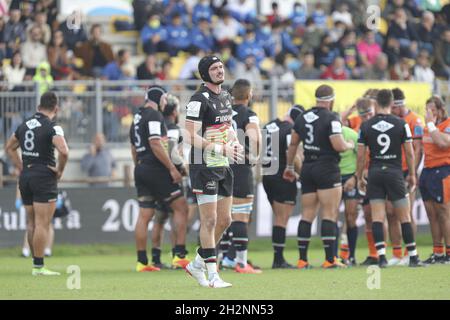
column 440, row 106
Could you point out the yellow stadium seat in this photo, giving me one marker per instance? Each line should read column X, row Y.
column 177, row 64
column 383, row 27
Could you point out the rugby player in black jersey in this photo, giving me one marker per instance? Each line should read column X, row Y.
column 37, row 138
column 214, row 143
column 320, row 131
column 385, row 135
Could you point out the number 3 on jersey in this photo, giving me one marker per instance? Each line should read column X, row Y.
column 310, row 133
column 384, row 141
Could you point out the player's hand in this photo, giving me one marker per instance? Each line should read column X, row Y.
column 182, row 169
column 176, row 175
column 18, row 170
column 289, row 175
column 350, row 184
column 362, row 185
column 57, row 173
column 234, row 151
column 411, row 179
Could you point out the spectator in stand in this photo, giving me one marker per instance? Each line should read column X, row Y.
column 166, row 70
column 422, row 70
column 325, row 54
column 73, row 36
column 282, row 39
column 147, row 69
column 249, row 71
column 281, row 71
column 154, row 36
column 307, row 70
column 43, row 77
column 410, row 8
column 178, row 36
column 298, row 16
column 441, row 65
column 40, row 20
column 51, row 8
column 226, row 30
column 14, row 33
column 426, row 32
column 229, row 61
column 311, row 37
column 242, row 10
column 57, row 56
column 368, row 49
column 274, row 16
column 176, row 7
column 379, row 70
column 95, row 53
column 402, row 70
column 190, row 67
column 33, row 51
column 401, row 31
column 26, row 12
column 99, row 162
column 2, row 38
column 342, row 14
column 201, row 10
column 250, row 46
column 336, row 71
column 337, row 31
column 14, row 73
column 319, row 16
column 202, row 37
column 265, row 38
column 142, row 9
column 348, row 50
column 113, row 70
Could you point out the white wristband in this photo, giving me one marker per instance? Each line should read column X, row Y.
column 218, row 148
column 290, row 167
column 431, row 127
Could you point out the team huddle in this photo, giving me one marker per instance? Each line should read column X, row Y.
column 370, row 159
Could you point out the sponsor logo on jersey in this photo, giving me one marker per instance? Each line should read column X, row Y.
column 211, row 185
column 383, row 126
column 226, row 118
column 33, row 123
column 310, row 117
column 137, row 118
column 193, row 109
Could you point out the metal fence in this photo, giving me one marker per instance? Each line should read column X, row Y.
column 87, row 107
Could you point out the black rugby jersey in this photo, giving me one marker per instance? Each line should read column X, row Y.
column 35, row 136
column 148, row 124
column 385, row 134
column 242, row 116
column 315, row 127
column 214, row 111
column 276, row 137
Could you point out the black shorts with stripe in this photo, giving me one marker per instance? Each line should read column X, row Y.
column 320, row 175
column 212, row 180
column 38, row 183
column 155, row 184
column 280, row 190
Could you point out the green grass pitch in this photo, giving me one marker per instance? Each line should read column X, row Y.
column 107, row 272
